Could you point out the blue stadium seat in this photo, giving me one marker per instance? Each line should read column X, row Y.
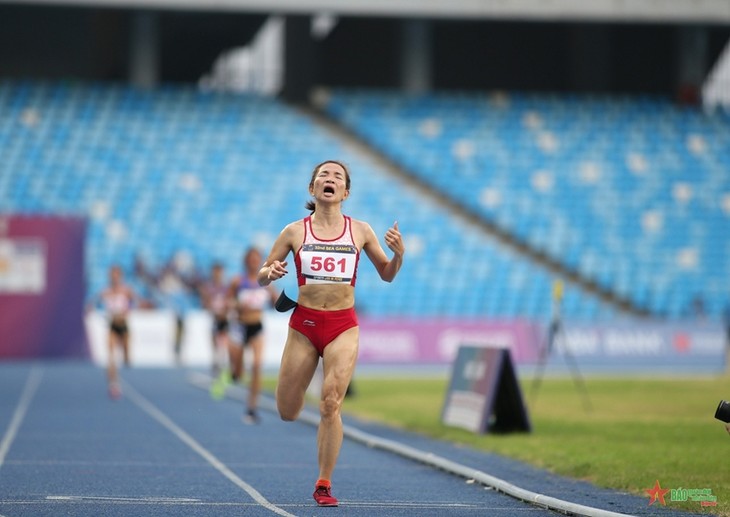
column 617, row 188
column 175, row 169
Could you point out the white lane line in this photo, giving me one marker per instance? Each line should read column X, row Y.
column 158, row 415
column 119, row 501
column 154, row 500
column 433, row 460
column 31, row 384
column 401, row 504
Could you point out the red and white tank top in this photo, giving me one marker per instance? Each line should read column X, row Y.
column 117, row 302
column 327, row 261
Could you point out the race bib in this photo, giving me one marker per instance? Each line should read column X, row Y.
column 328, row 263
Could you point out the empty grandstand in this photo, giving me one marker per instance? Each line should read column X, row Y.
column 624, row 193
column 176, row 170
column 632, row 193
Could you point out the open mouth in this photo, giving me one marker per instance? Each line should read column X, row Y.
column 329, row 190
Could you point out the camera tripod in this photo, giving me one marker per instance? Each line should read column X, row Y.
column 555, row 332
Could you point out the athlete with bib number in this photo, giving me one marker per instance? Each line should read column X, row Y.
column 250, row 300
column 326, row 247
column 118, row 299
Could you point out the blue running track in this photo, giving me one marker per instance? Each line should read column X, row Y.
column 167, row 449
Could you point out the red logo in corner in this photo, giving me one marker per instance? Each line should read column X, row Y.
column 657, row 493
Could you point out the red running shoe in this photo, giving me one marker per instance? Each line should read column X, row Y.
column 115, row 392
column 323, row 496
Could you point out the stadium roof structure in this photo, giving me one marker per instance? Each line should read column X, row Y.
column 627, row 11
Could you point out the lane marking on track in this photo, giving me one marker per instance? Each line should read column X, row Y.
column 131, row 501
column 427, row 458
column 188, row 440
column 31, row 385
column 153, row 500
column 379, row 506
column 401, row 504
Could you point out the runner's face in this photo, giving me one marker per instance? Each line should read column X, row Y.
column 252, row 261
column 330, row 183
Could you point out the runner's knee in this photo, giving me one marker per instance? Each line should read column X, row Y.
column 287, row 413
column 329, row 406
column 288, row 409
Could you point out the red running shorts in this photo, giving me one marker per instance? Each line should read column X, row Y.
column 322, row 327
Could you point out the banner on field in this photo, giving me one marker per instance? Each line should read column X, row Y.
column 642, row 347
column 638, row 348
column 436, row 341
column 484, row 394
column 626, row 346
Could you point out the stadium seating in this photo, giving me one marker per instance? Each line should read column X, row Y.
column 171, row 171
column 632, row 193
